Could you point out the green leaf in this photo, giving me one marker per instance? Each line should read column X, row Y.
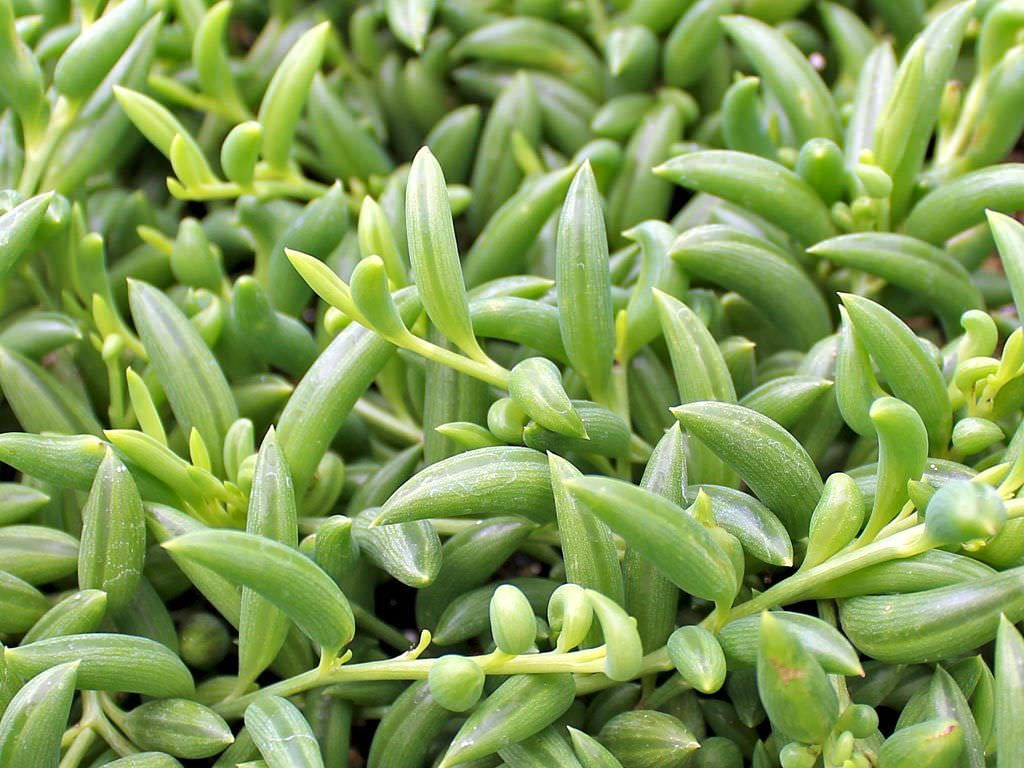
column 408, row 729
column 936, row 623
column 31, row 728
column 787, row 400
column 765, row 456
column 700, row 373
column 740, row 641
column 108, row 662
column 178, row 727
column 762, row 186
column 1009, row 236
column 762, row 273
column 502, row 720
column 794, row 688
column 1009, row 694
column 584, row 288
column 457, row 682
column 804, row 98
column 512, row 621
column 210, row 54
column 65, row 460
column 938, row 741
column 607, row 434
column 78, row 613
column 40, row 401
column 487, row 480
column 282, row 734
column 283, row 575
column 18, row 226
column 38, row 554
column 588, row 548
column 377, row 239
column 938, row 45
column 286, row 93
column 145, row 760
column 468, row 559
column 535, row 385
column 408, row 551
column 646, row 737
column 590, row 752
column 925, row 271
column 262, row 628
column 435, row 255
column 166, row 523
column 95, row 51
column 650, row 597
column 943, row 698
column 190, row 375
column 113, row 546
column 536, row 43
column 410, row 20
column 657, row 270
column 372, row 297
column 240, row 150
column 570, row 616
column 836, row 520
column 326, row 394
column 907, row 367
column 161, row 128
column 623, row 649
column 902, row 453
column 697, row 657
column 677, row 545
column 21, row 604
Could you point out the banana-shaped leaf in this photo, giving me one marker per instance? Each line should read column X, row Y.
column 765, row 456
column 279, row 573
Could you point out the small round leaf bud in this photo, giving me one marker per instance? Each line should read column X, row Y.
column 456, row 682
column 204, row 641
column 512, row 621
column 973, row 435
column 859, row 719
column 796, row 755
column 697, row 656
column 962, row 511
column 570, row 616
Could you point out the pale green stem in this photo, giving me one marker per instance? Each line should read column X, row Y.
column 907, row 518
column 904, row 544
column 603, row 463
column 231, row 109
column 303, row 189
column 580, row 662
column 35, row 284
column 388, row 423
column 665, row 692
column 118, row 412
column 620, row 404
column 68, row 737
column 38, row 155
column 969, row 112
column 79, row 749
column 490, row 373
column 97, row 720
column 598, row 19
column 379, row 629
column 653, row 663
column 588, row 664
column 111, row 710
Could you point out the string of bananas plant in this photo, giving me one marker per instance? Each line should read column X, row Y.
column 511, row 383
